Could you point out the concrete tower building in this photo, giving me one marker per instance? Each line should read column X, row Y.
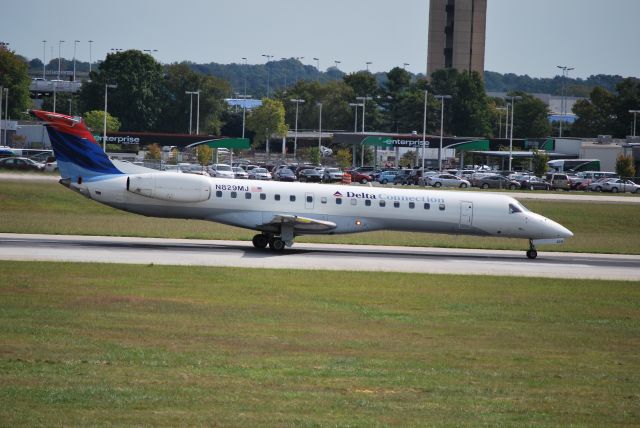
column 456, row 35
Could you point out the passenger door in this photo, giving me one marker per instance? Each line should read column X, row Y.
column 466, row 214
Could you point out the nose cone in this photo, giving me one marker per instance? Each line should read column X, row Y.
column 562, row 231
column 556, row 230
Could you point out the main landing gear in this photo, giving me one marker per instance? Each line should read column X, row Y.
column 261, row 240
column 531, row 252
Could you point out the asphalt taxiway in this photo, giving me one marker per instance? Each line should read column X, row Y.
column 317, row 256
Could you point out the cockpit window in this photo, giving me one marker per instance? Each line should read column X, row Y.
column 513, row 208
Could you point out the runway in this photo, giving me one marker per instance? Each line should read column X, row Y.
column 316, row 256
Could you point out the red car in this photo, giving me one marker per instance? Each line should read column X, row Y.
column 360, row 177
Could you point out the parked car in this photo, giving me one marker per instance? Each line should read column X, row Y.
column 221, row 170
column 620, row 185
column 497, row 182
column 51, row 166
column 21, row 164
column 585, row 178
column 310, row 175
column 560, row 181
column 360, row 177
column 172, row 168
column 402, row 177
column 387, row 176
column 239, row 172
column 597, row 186
column 259, row 173
column 332, row 174
column 284, row 174
column 534, row 183
column 197, row 169
column 447, row 180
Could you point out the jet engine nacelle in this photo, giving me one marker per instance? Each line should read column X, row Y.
column 170, row 186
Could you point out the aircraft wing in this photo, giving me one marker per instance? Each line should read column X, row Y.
column 300, row 224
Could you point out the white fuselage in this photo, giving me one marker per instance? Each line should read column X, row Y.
column 253, row 204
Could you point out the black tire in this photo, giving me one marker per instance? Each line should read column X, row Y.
column 384, row 181
column 485, row 185
column 598, row 189
column 463, row 185
column 513, row 187
column 532, row 254
column 614, row 190
column 260, row 240
column 437, row 184
column 276, row 244
column 363, row 181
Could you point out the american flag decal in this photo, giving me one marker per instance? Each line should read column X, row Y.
column 256, row 189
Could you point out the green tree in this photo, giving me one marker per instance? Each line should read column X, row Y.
column 140, row 95
column 154, row 152
column 313, row 155
column 15, row 79
column 594, row 116
column 267, row 120
column 540, row 160
column 409, row 158
column 204, row 153
column 343, row 158
column 530, row 117
column 179, row 79
column 94, row 120
column 624, row 166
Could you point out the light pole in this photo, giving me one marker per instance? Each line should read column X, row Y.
column 75, row 44
column 59, row 45
column 55, row 87
column 90, row 42
column 355, row 121
column 268, row 57
column 191, row 94
column 634, row 120
column 424, row 130
column 336, row 62
column 6, row 114
column 563, row 103
column 299, row 59
column 441, row 98
column 320, row 129
column 368, row 64
column 404, row 65
column 511, row 132
column 364, row 100
column 506, row 122
column 317, row 60
column 1, row 94
column 244, row 103
column 104, row 125
column 150, row 51
column 285, row 76
column 295, row 138
column 44, row 54
column 500, row 110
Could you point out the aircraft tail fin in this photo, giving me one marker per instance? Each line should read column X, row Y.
column 78, row 154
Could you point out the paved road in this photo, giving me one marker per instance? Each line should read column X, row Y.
column 316, row 256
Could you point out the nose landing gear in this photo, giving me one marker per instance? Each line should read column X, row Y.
column 531, row 252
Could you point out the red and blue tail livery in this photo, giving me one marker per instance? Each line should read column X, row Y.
column 78, row 154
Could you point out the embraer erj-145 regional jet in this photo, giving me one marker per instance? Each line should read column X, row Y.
column 282, row 211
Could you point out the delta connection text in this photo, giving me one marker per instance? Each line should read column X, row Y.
column 389, row 197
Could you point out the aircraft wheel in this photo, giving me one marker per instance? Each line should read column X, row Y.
column 532, row 254
column 260, row 240
column 276, row 244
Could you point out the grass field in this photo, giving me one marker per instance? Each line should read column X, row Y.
column 86, row 344
column 47, row 207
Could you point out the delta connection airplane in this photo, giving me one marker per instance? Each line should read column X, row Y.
column 281, row 211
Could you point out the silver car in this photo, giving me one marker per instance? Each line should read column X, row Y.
column 239, row 172
column 221, row 170
column 332, row 174
column 447, row 180
column 620, row 185
column 259, row 174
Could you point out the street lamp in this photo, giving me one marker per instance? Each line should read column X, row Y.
column 634, row 120
column 150, row 51
column 317, row 60
column 563, row 103
column 268, row 57
column 44, row 54
column 355, row 121
column 191, row 94
column 6, row 113
column 404, row 65
column 501, row 109
column 104, row 127
column 90, row 42
column 424, row 130
column 55, row 87
column 511, row 132
column 336, row 62
column 75, row 44
column 320, row 129
column 364, row 100
column 295, row 138
column 368, row 64
column 244, row 104
column 441, row 98
column 59, row 45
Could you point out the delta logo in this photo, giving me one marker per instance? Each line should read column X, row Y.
column 337, row 194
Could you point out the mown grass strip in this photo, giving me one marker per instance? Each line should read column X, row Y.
column 91, row 344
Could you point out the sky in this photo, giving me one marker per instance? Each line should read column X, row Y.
column 523, row 36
